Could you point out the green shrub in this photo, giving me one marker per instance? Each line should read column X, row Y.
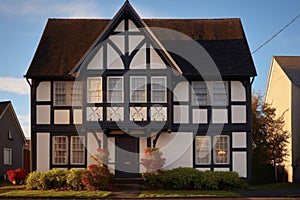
column 209, row 180
column 180, row 178
column 153, row 181
column 51, row 179
column 33, row 181
column 190, row 178
column 228, row 180
column 73, row 179
column 97, row 178
column 54, row 179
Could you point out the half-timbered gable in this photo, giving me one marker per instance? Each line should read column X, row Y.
column 130, row 83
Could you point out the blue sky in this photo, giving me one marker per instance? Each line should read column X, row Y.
column 22, row 24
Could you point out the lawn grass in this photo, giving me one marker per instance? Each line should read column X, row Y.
column 187, row 193
column 275, row 186
column 20, row 191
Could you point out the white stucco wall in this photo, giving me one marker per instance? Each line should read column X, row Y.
column 239, row 164
column 43, row 151
column 43, row 115
column 181, row 91
column 238, row 92
column 61, row 116
column 43, row 92
column 177, row 148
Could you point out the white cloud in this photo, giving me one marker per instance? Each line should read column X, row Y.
column 25, row 124
column 14, row 85
column 73, row 8
column 26, row 130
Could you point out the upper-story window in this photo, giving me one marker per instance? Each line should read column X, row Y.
column 209, row 93
column 159, row 89
column 67, row 93
column 138, row 89
column 199, row 93
column 220, row 93
column 115, row 93
column 94, row 90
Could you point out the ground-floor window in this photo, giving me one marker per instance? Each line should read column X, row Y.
column 208, row 146
column 77, row 150
column 68, row 148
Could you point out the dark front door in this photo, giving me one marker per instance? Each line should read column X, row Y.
column 127, row 157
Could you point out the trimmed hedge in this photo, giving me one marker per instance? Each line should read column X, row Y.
column 94, row 178
column 191, row 179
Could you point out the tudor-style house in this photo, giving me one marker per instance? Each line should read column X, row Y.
column 182, row 85
column 283, row 93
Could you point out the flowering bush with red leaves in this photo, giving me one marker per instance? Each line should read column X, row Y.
column 153, row 160
column 17, row 176
column 97, row 178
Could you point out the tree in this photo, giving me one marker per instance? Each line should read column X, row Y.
column 269, row 139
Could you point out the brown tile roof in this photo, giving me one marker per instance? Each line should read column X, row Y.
column 65, row 41
column 291, row 66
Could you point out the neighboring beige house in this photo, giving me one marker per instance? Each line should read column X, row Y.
column 283, row 92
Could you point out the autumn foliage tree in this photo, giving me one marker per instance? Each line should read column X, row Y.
column 269, row 139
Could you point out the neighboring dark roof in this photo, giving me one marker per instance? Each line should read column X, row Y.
column 3, row 106
column 291, row 66
column 65, row 41
column 7, row 105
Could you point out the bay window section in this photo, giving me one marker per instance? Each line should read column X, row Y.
column 60, row 150
column 159, row 89
column 138, row 89
column 221, row 149
column 115, row 89
column 203, row 150
column 94, row 90
column 77, row 150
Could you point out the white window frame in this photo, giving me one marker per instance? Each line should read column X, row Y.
column 158, row 90
column 54, row 150
column 68, row 93
column 220, row 149
column 80, row 151
column 94, row 89
column 203, row 149
column 142, row 88
column 202, row 95
column 109, row 99
column 9, row 156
